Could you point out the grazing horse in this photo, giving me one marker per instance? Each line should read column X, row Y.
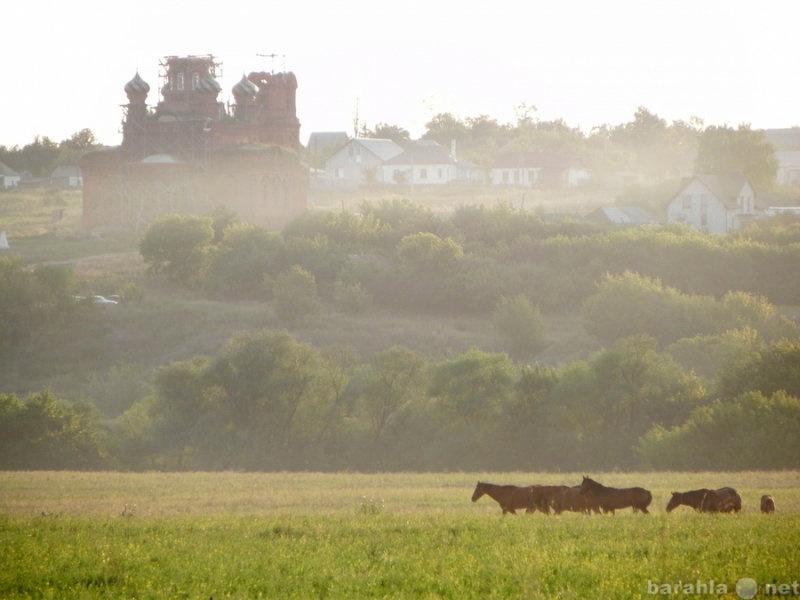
column 610, row 499
column 767, row 504
column 509, row 497
column 693, row 498
column 571, row 499
column 543, row 497
column 724, row 500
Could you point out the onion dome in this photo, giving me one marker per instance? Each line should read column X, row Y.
column 244, row 89
column 209, row 85
column 137, row 86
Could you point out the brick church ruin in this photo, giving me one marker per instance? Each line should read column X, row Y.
column 191, row 154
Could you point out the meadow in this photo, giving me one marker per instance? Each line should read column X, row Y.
column 381, row 535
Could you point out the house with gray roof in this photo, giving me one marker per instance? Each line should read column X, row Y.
column 422, row 163
column 359, row 162
column 538, row 169
column 713, row 203
column 9, row 178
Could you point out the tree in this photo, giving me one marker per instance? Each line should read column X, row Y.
column 397, row 134
column 294, row 295
column 264, row 379
column 178, row 246
column 724, row 151
column 520, row 324
column 473, row 386
column 393, row 377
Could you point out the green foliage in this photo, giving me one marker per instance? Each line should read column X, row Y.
column 521, row 325
column 294, row 295
column 735, row 434
column 178, row 246
column 768, row 371
column 724, row 150
column 29, row 300
column 45, row 432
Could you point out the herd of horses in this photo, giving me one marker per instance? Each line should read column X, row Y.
column 591, row 496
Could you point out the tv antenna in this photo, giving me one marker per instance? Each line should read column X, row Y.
column 273, row 56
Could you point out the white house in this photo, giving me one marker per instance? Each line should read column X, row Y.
column 713, row 204
column 9, row 178
column 358, row 162
column 422, row 163
column 538, row 169
column 68, row 176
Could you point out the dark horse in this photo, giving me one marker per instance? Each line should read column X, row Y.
column 610, row 499
column 724, row 499
column 509, row 497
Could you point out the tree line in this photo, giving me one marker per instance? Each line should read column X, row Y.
column 698, row 369
column 267, row 401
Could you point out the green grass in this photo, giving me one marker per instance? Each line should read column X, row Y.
column 348, row 535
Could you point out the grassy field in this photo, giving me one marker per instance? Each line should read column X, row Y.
column 351, row 535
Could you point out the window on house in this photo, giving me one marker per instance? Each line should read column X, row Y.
column 440, row 174
column 505, row 176
column 686, row 201
column 195, row 80
column 423, row 173
column 180, row 84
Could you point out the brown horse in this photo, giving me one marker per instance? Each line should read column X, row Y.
column 610, row 499
column 543, row 497
column 767, row 504
column 693, row 498
column 723, row 500
column 509, row 497
column 571, row 499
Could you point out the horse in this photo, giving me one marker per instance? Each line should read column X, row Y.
column 693, row 498
column 544, row 497
column 610, row 499
column 767, row 504
column 724, row 500
column 509, row 497
column 571, row 499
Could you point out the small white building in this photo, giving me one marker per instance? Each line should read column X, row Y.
column 68, row 176
column 538, row 169
column 357, row 163
column 9, row 178
column 713, row 204
column 423, row 163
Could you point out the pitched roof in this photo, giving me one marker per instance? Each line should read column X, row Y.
column 726, row 188
column 429, row 153
column 7, row 171
column 382, row 148
column 319, row 141
column 535, row 160
column 622, row 215
column 66, row 171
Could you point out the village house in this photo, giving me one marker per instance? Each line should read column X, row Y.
column 538, row 170
column 713, row 204
column 359, row 162
column 9, row 178
column 422, row 163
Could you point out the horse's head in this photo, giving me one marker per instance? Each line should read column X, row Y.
column 480, row 490
column 587, row 484
column 675, row 501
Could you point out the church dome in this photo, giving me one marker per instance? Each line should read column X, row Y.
column 209, row 85
column 245, row 88
column 137, row 85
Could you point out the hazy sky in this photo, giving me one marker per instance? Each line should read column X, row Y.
column 589, row 62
